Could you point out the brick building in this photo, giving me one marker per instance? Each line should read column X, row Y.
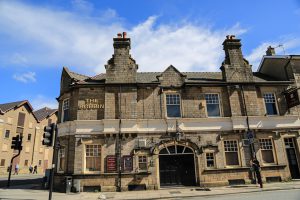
column 19, row 118
column 125, row 129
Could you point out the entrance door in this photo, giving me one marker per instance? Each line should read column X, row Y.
column 176, row 166
column 292, row 157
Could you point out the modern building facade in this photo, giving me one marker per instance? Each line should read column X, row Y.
column 19, row 118
column 125, row 129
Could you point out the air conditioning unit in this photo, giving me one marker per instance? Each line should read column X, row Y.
column 245, row 142
column 141, row 143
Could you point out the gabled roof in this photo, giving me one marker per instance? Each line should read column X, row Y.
column 43, row 113
column 9, row 106
column 74, row 75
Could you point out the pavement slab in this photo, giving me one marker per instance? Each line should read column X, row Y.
column 31, row 192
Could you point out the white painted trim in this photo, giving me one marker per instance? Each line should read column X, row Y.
column 111, row 126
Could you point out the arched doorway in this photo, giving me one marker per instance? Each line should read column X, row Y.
column 177, row 166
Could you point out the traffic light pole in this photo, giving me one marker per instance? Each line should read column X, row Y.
column 10, row 167
column 54, row 158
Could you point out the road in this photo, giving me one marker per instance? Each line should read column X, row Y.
column 22, row 179
column 264, row 195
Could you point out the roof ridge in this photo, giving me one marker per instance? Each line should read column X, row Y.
column 78, row 74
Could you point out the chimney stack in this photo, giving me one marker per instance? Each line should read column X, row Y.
column 235, row 68
column 270, row 51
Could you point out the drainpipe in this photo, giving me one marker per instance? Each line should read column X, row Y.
column 35, row 133
column 252, row 149
column 118, row 146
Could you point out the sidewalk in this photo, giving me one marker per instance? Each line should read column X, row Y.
column 165, row 193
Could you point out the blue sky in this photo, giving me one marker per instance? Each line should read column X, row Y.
column 38, row 38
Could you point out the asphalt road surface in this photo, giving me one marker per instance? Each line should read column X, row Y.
column 264, row 195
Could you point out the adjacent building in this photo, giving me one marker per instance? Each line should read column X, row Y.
column 19, row 118
column 124, row 129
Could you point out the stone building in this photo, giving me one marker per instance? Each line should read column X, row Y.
column 19, row 118
column 124, row 130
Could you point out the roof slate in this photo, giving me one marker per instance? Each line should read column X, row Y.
column 191, row 77
column 44, row 113
column 8, row 106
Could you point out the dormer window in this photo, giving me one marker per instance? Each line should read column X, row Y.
column 173, row 105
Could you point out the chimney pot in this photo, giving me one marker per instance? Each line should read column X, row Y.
column 270, row 51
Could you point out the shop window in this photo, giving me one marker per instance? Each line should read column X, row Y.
column 61, row 161
column 231, row 152
column 270, row 103
column 65, row 110
column 2, row 163
column 212, row 105
column 26, row 163
column 93, row 160
column 29, row 137
column 266, row 148
column 7, row 133
column 210, row 160
column 142, row 163
column 173, row 105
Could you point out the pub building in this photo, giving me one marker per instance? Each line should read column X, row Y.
column 124, row 130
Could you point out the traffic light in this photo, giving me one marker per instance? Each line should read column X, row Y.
column 48, row 136
column 16, row 142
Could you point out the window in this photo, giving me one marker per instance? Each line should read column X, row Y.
column 93, row 153
column 270, row 103
column 231, row 152
column 212, row 105
column 210, row 160
column 29, row 137
column 173, row 105
column 21, row 119
column 143, row 163
column 49, row 122
column 61, row 157
column 2, row 163
column 65, row 110
column 26, row 163
column 7, row 132
column 266, row 148
column 40, row 162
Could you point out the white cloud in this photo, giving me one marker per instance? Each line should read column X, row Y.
column 59, row 38
column 284, row 46
column 41, row 101
column 25, row 77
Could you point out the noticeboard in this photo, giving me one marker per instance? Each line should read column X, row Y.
column 127, row 164
column 111, row 163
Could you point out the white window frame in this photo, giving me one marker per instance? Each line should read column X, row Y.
column 219, row 103
column 63, row 109
column 85, row 156
column 230, row 150
column 144, row 162
column 263, row 146
column 214, row 159
column 276, row 105
column 166, row 103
